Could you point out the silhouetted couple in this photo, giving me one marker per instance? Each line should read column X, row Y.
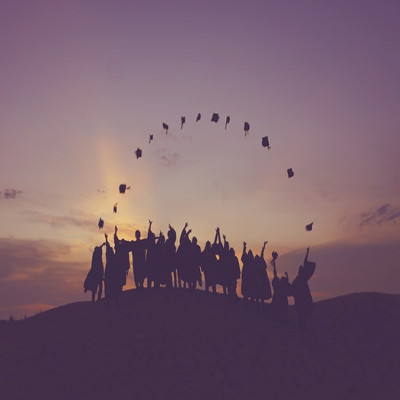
column 255, row 282
column 220, row 266
column 299, row 289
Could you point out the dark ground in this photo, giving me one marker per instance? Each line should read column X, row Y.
column 190, row 345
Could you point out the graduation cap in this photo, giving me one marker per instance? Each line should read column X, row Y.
column 138, row 153
column 165, row 126
column 309, row 227
column 228, row 119
column 215, row 118
column 198, row 117
column 123, row 187
column 290, row 173
column 101, row 223
column 151, row 138
column 246, row 128
column 264, row 141
column 183, row 120
column 115, row 208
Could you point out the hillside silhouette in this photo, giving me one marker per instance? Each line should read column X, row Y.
column 181, row 344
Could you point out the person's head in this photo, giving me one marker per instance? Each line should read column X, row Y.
column 250, row 254
column 97, row 250
column 194, row 240
column 137, row 234
column 232, row 252
column 208, row 245
column 171, row 234
column 161, row 239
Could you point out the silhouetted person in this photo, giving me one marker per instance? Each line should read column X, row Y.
column 194, row 264
column 113, row 274
column 282, row 289
column 220, row 263
column 151, row 257
column 263, row 287
column 233, row 272
column 183, row 255
column 95, row 276
column 224, row 263
column 170, row 257
column 208, row 266
column 162, row 272
column 247, row 288
column 138, row 248
column 122, row 249
column 301, row 291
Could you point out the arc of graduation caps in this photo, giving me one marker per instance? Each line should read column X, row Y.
column 215, row 118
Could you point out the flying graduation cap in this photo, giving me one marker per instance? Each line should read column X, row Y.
column 215, row 118
column 151, row 138
column 290, row 173
column 123, row 188
column 165, row 126
column 246, row 128
column 198, row 117
column 309, row 227
column 101, row 223
column 265, row 142
column 115, row 208
column 138, row 153
column 228, row 119
column 183, row 120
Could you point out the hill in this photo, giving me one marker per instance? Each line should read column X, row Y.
column 190, row 345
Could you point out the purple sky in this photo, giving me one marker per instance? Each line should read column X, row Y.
column 84, row 83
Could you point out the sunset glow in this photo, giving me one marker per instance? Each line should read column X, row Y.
column 84, row 84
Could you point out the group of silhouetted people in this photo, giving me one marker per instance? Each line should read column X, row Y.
column 158, row 262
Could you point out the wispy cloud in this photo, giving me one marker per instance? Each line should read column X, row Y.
column 9, row 193
column 61, row 221
column 384, row 213
column 38, row 272
column 167, row 158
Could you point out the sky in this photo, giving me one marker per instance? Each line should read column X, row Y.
column 84, row 83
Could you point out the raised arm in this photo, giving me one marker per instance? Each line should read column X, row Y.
column 274, row 257
column 244, row 254
column 306, row 257
column 116, row 239
column 263, row 249
column 107, row 243
column 183, row 233
column 217, row 239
